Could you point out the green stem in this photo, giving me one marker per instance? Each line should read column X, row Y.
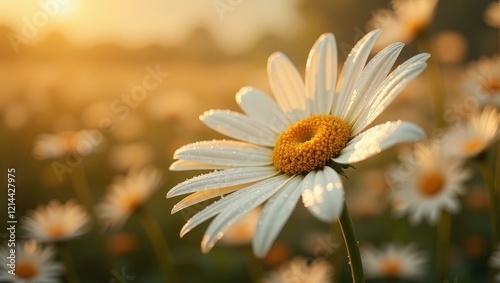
column 443, row 246
column 351, row 243
column 82, row 192
column 337, row 256
column 489, row 181
column 436, row 80
column 253, row 266
column 159, row 244
column 65, row 255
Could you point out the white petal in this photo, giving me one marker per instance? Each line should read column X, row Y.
column 373, row 75
column 389, row 90
column 287, row 86
column 198, row 197
column 183, row 165
column 323, row 194
column 352, row 69
column 274, row 216
column 377, row 139
column 321, row 74
column 226, row 153
column 240, row 127
column 222, row 179
column 239, row 208
column 263, row 108
column 228, row 202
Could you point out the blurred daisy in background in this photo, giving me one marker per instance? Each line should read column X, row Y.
column 34, row 264
column 299, row 270
column 495, row 263
column 482, row 80
column 406, row 20
column 470, row 138
column 126, row 195
column 393, row 260
column 427, row 182
column 492, row 14
column 289, row 146
column 53, row 146
column 56, row 222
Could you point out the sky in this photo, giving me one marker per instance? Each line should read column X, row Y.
column 234, row 24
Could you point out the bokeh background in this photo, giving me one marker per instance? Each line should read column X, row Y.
column 67, row 72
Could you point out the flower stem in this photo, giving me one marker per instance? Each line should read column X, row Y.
column 65, row 255
column 443, row 246
column 434, row 74
column 352, row 246
column 159, row 244
column 489, row 181
column 82, row 192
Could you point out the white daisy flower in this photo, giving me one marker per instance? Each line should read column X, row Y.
column 298, row 270
column 126, row 194
column 427, row 182
column 393, row 260
column 495, row 263
column 492, row 14
column 289, row 146
column 473, row 136
column 53, row 146
column 482, row 81
column 56, row 222
column 404, row 23
column 34, row 264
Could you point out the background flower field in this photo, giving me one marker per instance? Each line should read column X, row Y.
column 57, row 82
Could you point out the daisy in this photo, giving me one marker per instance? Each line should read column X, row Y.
column 492, row 15
column 482, row 81
column 34, row 264
column 295, row 146
column 53, row 146
column 393, row 260
column 298, row 270
column 470, row 138
column 127, row 194
column 495, row 263
column 407, row 20
column 427, row 182
column 56, row 222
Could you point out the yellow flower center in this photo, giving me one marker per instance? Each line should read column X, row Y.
column 68, row 140
column 310, row 144
column 431, row 183
column 472, row 146
column 56, row 231
column 131, row 203
column 414, row 27
column 391, row 267
column 26, row 270
column 491, row 86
